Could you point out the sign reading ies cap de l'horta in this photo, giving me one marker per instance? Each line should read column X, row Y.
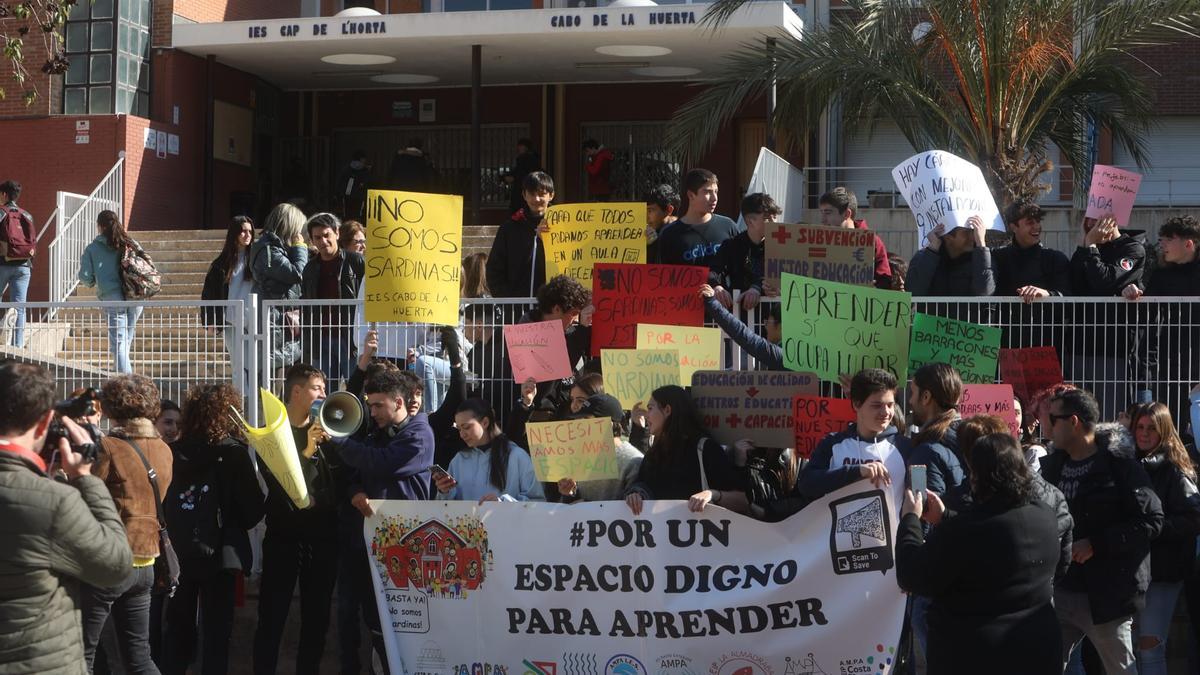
column 944, row 189
column 668, row 591
column 582, row 235
column 414, row 257
column 832, row 329
column 626, row 295
column 750, row 404
column 830, row 253
column 971, row 348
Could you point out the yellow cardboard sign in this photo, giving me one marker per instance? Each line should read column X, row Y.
column 631, row 375
column 699, row 348
column 582, row 235
column 578, row 449
column 275, row 444
column 414, row 257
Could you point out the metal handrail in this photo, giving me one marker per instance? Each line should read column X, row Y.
column 71, row 239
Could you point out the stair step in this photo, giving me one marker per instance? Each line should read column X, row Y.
column 170, row 289
column 143, row 236
column 199, row 347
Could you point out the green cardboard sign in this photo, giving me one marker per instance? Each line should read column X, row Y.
column 971, row 348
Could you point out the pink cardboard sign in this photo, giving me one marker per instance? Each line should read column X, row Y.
column 537, row 350
column 1113, row 191
column 990, row 399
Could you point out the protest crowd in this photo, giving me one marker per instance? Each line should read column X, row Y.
column 1047, row 541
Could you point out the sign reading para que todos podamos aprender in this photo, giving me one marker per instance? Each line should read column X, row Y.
column 507, row 589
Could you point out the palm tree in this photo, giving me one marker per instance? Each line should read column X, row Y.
column 994, row 81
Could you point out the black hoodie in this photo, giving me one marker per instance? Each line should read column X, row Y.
column 1102, row 271
column 1116, row 509
column 516, row 267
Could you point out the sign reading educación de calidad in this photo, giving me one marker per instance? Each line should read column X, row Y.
column 510, row 588
column 414, row 257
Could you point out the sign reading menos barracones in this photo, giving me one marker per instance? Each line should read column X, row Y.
column 544, row 585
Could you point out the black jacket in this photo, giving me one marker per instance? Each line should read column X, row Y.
column 348, row 282
column 1037, row 265
column 516, row 267
column 324, row 475
column 1103, row 271
column 1168, row 279
column 410, row 170
column 989, row 573
column 240, row 499
column 739, row 264
column 1173, row 553
column 1117, row 510
column 936, row 274
column 215, row 288
column 682, row 479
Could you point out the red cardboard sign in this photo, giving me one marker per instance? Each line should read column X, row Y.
column 815, row 417
column 626, row 295
column 1030, row 370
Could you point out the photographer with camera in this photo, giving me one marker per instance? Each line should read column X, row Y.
column 58, row 534
column 136, row 466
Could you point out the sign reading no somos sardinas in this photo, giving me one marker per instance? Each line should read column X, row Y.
column 414, row 257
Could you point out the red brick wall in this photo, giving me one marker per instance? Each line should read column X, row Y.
column 49, row 100
column 209, row 11
column 1173, row 75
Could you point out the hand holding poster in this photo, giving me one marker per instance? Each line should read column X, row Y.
column 582, row 235
column 699, row 348
column 670, row 591
column 815, row 418
column 749, row 404
column 578, row 449
column 971, row 348
column 831, row 328
column 1113, row 192
column 414, row 257
column 943, row 189
column 277, row 448
column 1030, row 370
column 537, row 350
column 631, row 375
column 990, row 399
column 626, row 295
column 828, row 253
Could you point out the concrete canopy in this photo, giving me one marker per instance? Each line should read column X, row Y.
column 532, row 46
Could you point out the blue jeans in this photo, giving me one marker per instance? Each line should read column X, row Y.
column 435, row 372
column 16, row 279
column 121, row 323
column 1155, row 622
column 1112, row 640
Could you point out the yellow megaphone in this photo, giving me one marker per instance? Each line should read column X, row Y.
column 341, row 414
column 275, row 445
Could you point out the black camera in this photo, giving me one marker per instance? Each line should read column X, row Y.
column 83, row 405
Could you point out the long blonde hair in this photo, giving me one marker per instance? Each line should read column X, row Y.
column 1168, row 439
column 286, row 222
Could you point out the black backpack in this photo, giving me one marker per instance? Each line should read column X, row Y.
column 193, row 511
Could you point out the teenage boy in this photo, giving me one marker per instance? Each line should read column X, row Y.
column 696, row 238
column 869, row 449
column 839, row 208
column 561, row 299
column 1116, row 514
column 516, row 267
column 300, row 544
column 952, row 263
column 739, row 263
column 662, row 207
column 334, row 274
column 1024, row 267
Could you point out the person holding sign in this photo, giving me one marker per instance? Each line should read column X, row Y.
column 767, row 350
column 696, row 238
column 516, row 266
column 871, row 448
column 300, row 544
column 739, row 263
column 953, row 263
column 839, row 207
column 1107, row 260
column 683, row 462
column 629, row 458
column 1024, row 267
column 491, row 468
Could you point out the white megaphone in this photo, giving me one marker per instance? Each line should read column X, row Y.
column 341, row 414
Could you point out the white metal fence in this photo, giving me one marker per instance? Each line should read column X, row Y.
column 76, row 228
column 1110, row 346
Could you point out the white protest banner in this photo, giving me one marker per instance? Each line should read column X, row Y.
column 465, row 588
column 944, row 189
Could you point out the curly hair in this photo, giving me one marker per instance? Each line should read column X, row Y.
column 206, row 414
column 128, row 397
column 1184, row 227
column 563, row 292
column 1022, row 209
